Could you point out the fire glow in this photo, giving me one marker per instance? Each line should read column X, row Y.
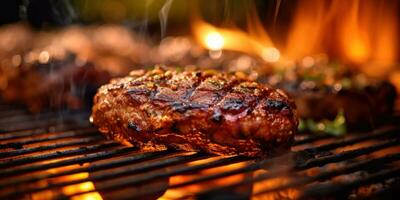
column 362, row 34
column 216, row 39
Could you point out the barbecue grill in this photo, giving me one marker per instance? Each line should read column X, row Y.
column 338, row 61
column 59, row 155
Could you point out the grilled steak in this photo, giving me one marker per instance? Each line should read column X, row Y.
column 197, row 111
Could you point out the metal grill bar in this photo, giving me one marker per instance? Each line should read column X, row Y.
column 17, row 126
column 377, row 134
column 146, row 167
column 312, row 138
column 118, row 173
column 24, row 117
column 76, row 142
column 162, row 174
column 311, row 163
column 40, row 131
column 78, row 160
column 57, row 154
column 385, row 193
column 322, row 190
column 132, row 159
column 7, row 113
column 68, row 134
column 5, row 107
column 46, row 115
column 347, row 155
column 248, row 168
column 326, row 175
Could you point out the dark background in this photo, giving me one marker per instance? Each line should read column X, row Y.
column 142, row 14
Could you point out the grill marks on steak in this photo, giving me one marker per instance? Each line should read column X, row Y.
column 216, row 113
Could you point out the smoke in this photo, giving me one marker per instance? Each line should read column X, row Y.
column 277, row 6
column 141, row 27
column 23, row 9
column 143, row 24
column 63, row 12
column 163, row 15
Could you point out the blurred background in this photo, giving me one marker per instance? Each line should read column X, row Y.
column 59, row 52
column 350, row 32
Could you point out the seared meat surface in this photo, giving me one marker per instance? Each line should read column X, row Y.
column 196, row 111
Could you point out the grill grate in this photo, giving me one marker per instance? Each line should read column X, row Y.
column 60, row 156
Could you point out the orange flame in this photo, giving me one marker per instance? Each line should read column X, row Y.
column 70, row 189
column 255, row 42
column 175, row 193
column 360, row 33
column 305, row 35
column 354, row 39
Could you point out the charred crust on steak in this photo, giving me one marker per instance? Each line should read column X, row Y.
column 138, row 90
column 276, row 104
column 175, row 128
column 234, row 104
column 217, row 116
column 134, row 127
column 198, row 74
column 179, row 106
column 216, row 113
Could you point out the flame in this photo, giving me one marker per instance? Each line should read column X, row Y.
column 305, row 35
column 70, row 189
column 191, row 189
column 359, row 33
column 363, row 34
column 81, row 187
column 255, row 42
column 214, row 41
column 353, row 37
column 272, row 183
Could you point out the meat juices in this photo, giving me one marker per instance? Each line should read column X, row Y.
column 195, row 111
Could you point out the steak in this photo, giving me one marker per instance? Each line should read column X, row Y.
column 196, row 111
